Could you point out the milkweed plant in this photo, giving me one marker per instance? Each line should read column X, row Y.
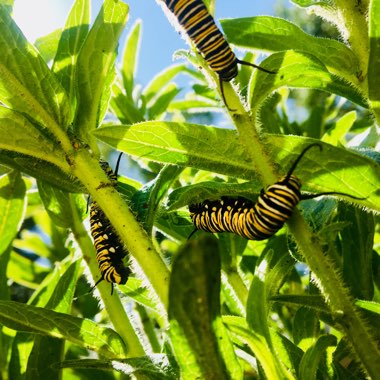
column 303, row 304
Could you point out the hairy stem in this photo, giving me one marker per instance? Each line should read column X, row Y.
column 329, row 281
column 354, row 27
column 115, row 309
column 137, row 242
column 331, row 284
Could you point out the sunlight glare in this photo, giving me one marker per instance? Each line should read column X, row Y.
column 40, row 17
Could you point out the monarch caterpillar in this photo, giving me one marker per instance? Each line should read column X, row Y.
column 109, row 248
column 200, row 26
column 254, row 220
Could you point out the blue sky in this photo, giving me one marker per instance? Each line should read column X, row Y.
column 159, row 40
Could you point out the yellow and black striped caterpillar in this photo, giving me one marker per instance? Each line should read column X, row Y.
column 255, row 220
column 110, row 250
column 200, row 26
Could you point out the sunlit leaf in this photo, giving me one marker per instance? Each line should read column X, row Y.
column 201, row 344
column 297, row 69
column 219, row 150
column 96, row 62
column 374, row 56
column 77, row 330
column 130, row 55
column 154, row 367
column 276, row 34
column 70, row 43
column 312, row 357
column 12, row 207
column 24, row 72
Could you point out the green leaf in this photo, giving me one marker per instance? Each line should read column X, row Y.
column 56, row 293
column 41, row 170
column 231, row 246
column 58, row 204
column 314, row 302
column 189, row 104
column 22, row 345
column 175, row 224
column 297, row 69
column 96, row 64
column 57, row 290
column 8, row 4
column 201, row 344
column 47, row 45
column 25, row 272
column 306, row 327
column 146, row 201
column 32, row 242
column 124, row 107
column 345, row 366
column 26, row 83
column 161, row 80
column 20, row 135
column 313, row 3
column 186, row 195
column 271, row 367
column 276, row 34
column 180, row 144
column 5, row 350
column 269, row 277
column 127, row 186
column 4, row 287
column 162, row 101
column 80, row 331
column 130, row 55
column 367, row 305
column 219, row 150
column 46, row 351
column 153, row 367
column 374, row 57
column 290, row 353
column 336, row 134
column 135, row 289
column 312, row 357
column 70, row 43
column 12, row 207
column 357, row 246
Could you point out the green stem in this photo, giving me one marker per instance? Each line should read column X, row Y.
column 331, row 284
column 149, row 328
column 374, row 59
column 250, row 137
column 87, row 169
column 329, row 281
column 354, row 27
column 113, row 305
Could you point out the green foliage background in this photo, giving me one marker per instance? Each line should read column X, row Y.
column 301, row 305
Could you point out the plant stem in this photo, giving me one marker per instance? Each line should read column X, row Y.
column 331, row 284
column 113, row 305
column 354, row 27
column 374, row 59
column 137, row 242
column 249, row 136
column 329, row 281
